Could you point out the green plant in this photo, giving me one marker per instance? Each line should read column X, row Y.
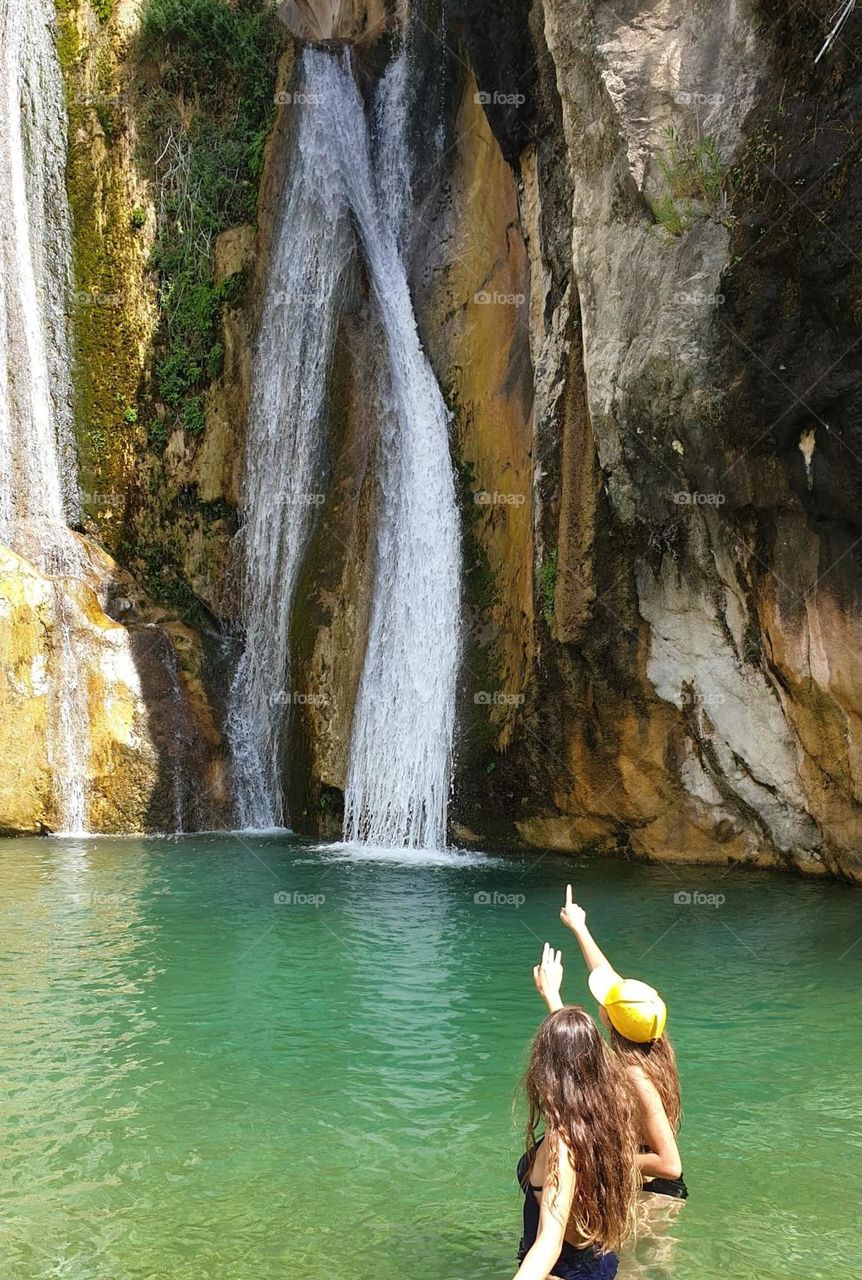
column 103, row 9
column 695, row 175
column 209, row 119
column 108, row 120
column 670, row 215
column 138, row 219
column 193, row 417
column 157, row 435
column 130, row 416
column 548, row 585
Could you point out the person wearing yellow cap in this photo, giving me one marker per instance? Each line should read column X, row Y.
column 636, row 1016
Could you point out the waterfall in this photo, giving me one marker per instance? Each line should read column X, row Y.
column 38, row 482
column 285, row 456
column 400, row 758
column 401, row 751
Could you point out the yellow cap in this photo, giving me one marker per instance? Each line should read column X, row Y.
column 635, row 1010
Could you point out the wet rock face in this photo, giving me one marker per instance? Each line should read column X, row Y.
column 151, row 755
column 688, row 701
column 334, row 19
column 653, row 378
column 663, row 635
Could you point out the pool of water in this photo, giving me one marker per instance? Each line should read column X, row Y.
column 249, row 1058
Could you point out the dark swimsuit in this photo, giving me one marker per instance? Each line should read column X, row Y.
column 572, row 1264
column 674, row 1187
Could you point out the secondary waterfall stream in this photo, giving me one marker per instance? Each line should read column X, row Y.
column 400, row 758
column 285, row 454
column 38, row 479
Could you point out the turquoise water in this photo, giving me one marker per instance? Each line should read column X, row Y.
column 201, row 1082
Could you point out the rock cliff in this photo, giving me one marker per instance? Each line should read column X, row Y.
column 635, row 274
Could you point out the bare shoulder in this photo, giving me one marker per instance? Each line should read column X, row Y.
column 641, row 1083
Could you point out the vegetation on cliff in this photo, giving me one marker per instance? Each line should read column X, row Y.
column 168, row 121
column 211, row 79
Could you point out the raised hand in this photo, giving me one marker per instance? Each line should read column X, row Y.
column 548, row 977
column 572, row 916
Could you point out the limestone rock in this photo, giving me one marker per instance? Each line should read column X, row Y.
column 334, row 19
column 151, row 750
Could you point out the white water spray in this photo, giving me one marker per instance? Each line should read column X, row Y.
column 38, row 483
column 285, row 458
column 401, row 751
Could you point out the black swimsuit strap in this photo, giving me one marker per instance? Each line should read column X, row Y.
column 529, row 1157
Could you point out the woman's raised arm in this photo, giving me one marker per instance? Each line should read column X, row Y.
column 575, row 918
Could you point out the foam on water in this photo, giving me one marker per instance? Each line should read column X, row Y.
column 344, row 851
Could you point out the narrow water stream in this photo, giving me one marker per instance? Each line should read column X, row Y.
column 38, row 479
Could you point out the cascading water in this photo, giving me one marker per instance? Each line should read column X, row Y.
column 285, row 456
column 401, row 752
column 38, row 483
column 400, row 760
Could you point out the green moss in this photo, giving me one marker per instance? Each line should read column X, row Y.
column 480, row 584
column 68, row 36
column 202, row 75
column 157, row 435
column 163, row 584
column 107, row 303
column 206, row 125
column 548, row 585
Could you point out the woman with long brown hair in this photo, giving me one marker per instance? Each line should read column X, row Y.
column 636, row 1016
column 579, row 1178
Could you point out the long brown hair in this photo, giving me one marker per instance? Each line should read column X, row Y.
column 577, row 1087
column 657, row 1060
